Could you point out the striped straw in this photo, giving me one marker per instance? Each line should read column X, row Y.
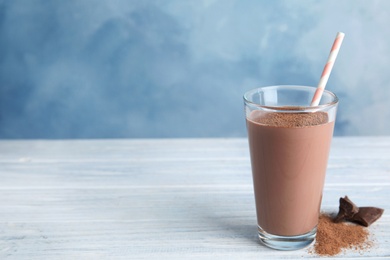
column 327, row 69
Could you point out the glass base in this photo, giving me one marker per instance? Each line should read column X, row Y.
column 287, row 242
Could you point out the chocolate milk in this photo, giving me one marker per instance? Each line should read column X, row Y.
column 289, row 155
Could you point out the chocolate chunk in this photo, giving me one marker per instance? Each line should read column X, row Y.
column 367, row 215
column 347, row 210
column 364, row 216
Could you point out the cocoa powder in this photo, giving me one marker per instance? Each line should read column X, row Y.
column 286, row 119
column 333, row 238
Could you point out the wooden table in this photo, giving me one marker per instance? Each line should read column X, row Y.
column 162, row 198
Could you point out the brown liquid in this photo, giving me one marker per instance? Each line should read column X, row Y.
column 288, row 165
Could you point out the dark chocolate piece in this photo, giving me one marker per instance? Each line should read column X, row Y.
column 347, row 210
column 367, row 215
column 364, row 216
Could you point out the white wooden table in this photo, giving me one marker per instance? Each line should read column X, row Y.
column 162, row 199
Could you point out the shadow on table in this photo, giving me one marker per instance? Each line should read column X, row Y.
column 226, row 220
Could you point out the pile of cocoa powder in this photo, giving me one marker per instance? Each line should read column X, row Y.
column 332, row 238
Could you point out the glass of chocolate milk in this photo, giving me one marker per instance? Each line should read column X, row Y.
column 289, row 145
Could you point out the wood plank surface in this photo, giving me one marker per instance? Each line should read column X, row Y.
column 163, row 198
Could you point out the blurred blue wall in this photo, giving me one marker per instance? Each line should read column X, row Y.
column 174, row 68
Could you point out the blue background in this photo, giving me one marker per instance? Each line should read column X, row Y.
column 179, row 68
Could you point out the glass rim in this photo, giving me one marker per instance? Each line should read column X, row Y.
column 299, row 108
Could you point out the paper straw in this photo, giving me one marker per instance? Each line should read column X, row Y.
column 327, row 69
